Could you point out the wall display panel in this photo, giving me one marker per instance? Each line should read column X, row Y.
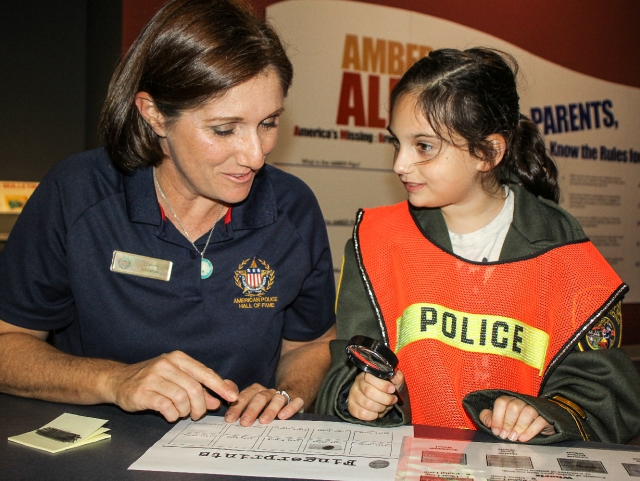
column 14, row 195
column 347, row 56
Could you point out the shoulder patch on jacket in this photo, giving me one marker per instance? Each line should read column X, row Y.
column 606, row 333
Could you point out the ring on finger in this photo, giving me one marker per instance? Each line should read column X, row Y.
column 286, row 395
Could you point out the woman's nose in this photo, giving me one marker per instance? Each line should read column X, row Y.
column 252, row 152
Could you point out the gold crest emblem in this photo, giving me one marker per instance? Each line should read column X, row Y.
column 255, row 279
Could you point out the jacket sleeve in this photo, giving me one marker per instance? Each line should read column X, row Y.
column 593, row 395
column 606, row 386
column 354, row 316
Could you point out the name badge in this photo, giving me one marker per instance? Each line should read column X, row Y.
column 135, row 265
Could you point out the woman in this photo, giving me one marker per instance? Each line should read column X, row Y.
column 175, row 238
column 485, row 288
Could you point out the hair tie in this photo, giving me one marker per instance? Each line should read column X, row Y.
column 517, row 120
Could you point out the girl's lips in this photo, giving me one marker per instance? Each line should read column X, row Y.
column 412, row 187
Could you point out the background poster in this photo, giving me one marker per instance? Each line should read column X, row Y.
column 14, row 195
column 347, row 56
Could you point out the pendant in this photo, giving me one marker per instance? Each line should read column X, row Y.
column 206, row 268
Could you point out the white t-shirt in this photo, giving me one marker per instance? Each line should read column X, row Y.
column 485, row 244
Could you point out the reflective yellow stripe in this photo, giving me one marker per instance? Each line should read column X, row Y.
column 480, row 333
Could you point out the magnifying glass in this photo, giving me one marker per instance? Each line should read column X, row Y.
column 372, row 356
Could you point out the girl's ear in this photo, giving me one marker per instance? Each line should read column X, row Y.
column 150, row 113
column 499, row 145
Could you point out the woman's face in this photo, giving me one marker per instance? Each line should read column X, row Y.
column 215, row 150
column 434, row 172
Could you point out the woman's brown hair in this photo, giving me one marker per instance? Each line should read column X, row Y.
column 189, row 53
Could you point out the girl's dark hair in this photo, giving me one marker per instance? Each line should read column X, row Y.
column 473, row 93
column 190, row 52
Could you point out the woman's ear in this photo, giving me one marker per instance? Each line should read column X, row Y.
column 147, row 108
column 498, row 147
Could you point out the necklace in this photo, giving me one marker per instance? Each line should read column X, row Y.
column 206, row 267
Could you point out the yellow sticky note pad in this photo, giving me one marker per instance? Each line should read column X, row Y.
column 87, row 430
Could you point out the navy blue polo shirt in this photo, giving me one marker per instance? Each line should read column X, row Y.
column 272, row 271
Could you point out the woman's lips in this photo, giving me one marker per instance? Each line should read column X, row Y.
column 240, row 178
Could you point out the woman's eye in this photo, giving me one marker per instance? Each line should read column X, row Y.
column 270, row 123
column 223, row 131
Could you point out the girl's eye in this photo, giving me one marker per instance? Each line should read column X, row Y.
column 396, row 148
column 425, row 147
column 428, row 150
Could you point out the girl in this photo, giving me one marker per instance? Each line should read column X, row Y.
column 489, row 293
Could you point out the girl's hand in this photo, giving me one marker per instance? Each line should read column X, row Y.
column 514, row 419
column 371, row 398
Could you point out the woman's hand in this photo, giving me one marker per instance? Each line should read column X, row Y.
column 514, row 419
column 371, row 398
column 258, row 402
column 172, row 384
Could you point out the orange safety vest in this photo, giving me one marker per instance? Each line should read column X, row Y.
column 459, row 326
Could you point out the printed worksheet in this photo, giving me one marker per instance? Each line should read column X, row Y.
column 283, row 449
column 431, row 460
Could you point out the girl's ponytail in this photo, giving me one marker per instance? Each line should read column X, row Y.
column 530, row 163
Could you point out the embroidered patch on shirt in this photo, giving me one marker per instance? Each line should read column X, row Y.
column 606, row 333
column 255, row 280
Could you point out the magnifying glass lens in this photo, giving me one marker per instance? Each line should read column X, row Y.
column 370, row 359
column 372, row 356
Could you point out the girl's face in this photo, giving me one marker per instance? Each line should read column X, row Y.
column 434, row 172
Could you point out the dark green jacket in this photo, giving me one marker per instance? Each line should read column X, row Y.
column 603, row 384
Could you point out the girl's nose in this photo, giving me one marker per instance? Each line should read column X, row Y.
column 402, row 162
